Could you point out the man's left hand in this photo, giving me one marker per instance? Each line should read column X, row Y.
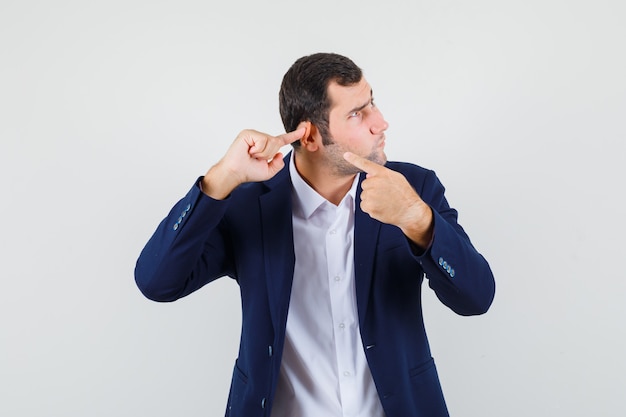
column 389, row 198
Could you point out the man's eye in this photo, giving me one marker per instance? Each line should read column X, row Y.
column 354, row 114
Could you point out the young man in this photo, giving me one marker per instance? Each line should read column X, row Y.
column 329, row 262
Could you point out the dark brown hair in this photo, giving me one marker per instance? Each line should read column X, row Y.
column 303, row 93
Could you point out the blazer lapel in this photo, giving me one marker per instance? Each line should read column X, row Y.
column 366, row 232
column 279, row 256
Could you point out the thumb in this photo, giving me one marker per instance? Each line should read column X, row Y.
column 276, row 164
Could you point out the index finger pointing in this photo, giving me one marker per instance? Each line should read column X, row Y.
column 291, row 137
column 363, row 164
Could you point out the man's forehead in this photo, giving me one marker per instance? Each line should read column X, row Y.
column 349, row 95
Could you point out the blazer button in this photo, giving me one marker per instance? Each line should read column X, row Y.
column 270, row 351
column 175, row 226
column 263, row 403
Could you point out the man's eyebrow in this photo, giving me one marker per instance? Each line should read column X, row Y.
column 361, row 107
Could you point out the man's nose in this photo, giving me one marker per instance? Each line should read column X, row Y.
column 379, row 125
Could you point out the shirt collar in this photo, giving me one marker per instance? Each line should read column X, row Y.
column 306, row 199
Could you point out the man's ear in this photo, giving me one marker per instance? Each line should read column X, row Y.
column 311, row 139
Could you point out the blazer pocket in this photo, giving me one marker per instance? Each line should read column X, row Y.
column 392, row 244
column 390, row 238
column 418, row 370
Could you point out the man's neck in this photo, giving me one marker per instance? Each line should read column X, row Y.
column 326, row 183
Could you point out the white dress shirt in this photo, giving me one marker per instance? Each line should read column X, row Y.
column 324, row 372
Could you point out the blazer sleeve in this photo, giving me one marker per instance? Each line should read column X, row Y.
column 456, row 271
column 188, row 249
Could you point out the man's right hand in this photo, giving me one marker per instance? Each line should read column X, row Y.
column 253, row 157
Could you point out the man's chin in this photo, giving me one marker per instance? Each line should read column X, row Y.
column 379, row 158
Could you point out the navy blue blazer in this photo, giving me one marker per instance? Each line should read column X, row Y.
column 249, row 237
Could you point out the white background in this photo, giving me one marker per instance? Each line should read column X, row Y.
column 109, row 110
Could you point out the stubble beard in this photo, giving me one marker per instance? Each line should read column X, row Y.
column 341, row 168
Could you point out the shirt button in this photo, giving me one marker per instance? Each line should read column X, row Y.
column 341, row 325
column 337, row 278
column 346, row 373
column 332, row 232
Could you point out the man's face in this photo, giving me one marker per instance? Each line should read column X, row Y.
column 355, row 124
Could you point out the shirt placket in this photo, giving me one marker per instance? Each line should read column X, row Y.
column 343, row 305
